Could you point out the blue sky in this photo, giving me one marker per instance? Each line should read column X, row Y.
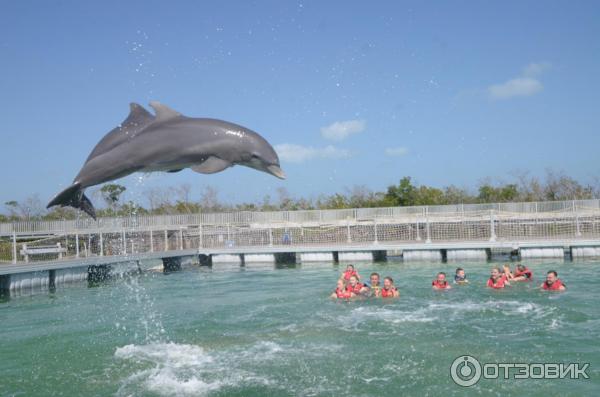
column 351, row 93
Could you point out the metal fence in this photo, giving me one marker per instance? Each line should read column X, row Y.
column 515, row 222
column 149, row 222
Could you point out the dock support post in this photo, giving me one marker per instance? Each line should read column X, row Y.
column 124, row 242
column 151, row 242
column 166, row 241
column 270, row 237
column 26, row 254
column 76, row 245
column 59, row 251
column 101, row 245
column 14, row 247
column 577, row 227
column 492, row 227
column 180, row 239
column 418, row 232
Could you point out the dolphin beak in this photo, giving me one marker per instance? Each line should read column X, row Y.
column 276, row 171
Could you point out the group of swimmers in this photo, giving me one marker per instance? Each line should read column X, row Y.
column 349, row 285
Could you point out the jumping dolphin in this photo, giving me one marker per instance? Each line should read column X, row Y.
column 167, row 142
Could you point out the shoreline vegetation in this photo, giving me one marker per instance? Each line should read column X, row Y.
column 177, row 199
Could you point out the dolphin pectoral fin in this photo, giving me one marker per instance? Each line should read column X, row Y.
column 211, row 165
column 163, row 112
column 174, row 171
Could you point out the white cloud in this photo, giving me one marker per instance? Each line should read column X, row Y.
column 289, row 152
column 526, row 84
column 396, row 151
column 521, row 86
column 341, row 130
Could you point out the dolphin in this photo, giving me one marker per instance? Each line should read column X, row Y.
column 167, row 141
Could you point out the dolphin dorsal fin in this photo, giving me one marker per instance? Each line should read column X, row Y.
column 163, row 112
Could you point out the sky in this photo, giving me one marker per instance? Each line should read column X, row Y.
column 348, row 92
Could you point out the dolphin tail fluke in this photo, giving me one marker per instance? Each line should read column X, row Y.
column 73, row 197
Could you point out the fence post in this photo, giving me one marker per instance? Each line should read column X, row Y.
column 181, row 239
column 151, row 241
column 577, row 228
column 375, row 229
column 25, row 252
column 76, row 245
column 60, row 255
column 124, row 242
column 200, row 236
column 492, row 227
column 348, row 230
column 270, row 237
column 166, row 241
column 427, row 229
column 101, row 245
column 14, row 247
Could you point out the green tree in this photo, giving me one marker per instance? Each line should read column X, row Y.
column 401, row 195
column 111, row 193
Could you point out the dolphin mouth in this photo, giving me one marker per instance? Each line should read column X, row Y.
column 276, row 171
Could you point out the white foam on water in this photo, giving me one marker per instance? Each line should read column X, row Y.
column 171, row 369
column 175, row 369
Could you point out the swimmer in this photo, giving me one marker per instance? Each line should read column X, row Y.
column 440, row 282
column 460, row 276
column 375, row 286
column 553, row 283
column 340, row 292
column 497, row 279
column 522, row 273
column 350, row 271
column 389, row 290
column 507, row 272
column 355, row 287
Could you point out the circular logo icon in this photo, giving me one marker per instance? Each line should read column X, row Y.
column 465, row 371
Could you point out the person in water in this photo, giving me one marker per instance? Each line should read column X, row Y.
column 350, row 271
column 375, row 286
column 440, row 282
column 553, row 283
column 460, row 277
column 497, row 279
column 355, row 286
column 341, row 292
column 522, row 273
column 507, row 272
column 389, row 290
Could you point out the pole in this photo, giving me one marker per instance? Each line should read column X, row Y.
column 76, row 245
column 101, row 245
column 348, row 230
column 166, row 241
column 492, row 227
column 270, row 237
column 14, row 247
column 124, row 242
column 181, row 239
column 428, row 240
column 200, row 236
column 151, row 242
column 375, row 230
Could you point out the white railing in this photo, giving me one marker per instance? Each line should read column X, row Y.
column 149, row 222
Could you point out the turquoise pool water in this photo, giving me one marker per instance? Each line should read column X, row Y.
column 274, row 332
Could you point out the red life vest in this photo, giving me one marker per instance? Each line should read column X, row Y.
column 498, row 284
column 342, row 294
column 527, row 273
column 388, row 293
column 439, row 284
column 349, row 273
column 555, row 285
column 356, row 289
